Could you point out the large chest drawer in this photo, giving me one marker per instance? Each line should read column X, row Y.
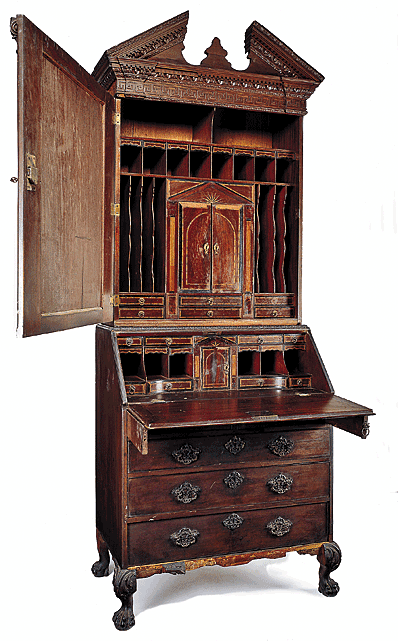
column 270, row 485
column 188, row 450
column 226, row 533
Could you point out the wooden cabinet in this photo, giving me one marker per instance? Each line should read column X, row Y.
column 165, row 204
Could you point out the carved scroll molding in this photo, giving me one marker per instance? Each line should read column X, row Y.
column 186, row 454
column 281, row 446
column 233, row 521
column 281, row 483
column 184, row 537
column 279, row 526
column 186, row 492
column 14, row 28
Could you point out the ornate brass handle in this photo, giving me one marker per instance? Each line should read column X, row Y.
column 184, row 537
column 216, row 248
column 281, row 483
column 279, row 526
column 206, row 248
column 186, row 454
column 186, row 492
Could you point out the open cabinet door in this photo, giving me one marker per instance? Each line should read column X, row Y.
column 66, row 186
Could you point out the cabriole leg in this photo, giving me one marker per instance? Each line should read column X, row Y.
column 124, row 584
column 329, row 557
column 101, row 567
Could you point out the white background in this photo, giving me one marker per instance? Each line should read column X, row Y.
column 349, row 301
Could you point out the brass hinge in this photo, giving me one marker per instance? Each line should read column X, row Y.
column 115, row 300
column 115, row 209
column 116, row 119
column 32, row 173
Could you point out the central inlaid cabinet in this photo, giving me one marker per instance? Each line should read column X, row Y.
column 214, row 411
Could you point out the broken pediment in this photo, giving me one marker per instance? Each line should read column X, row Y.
column 151, row 65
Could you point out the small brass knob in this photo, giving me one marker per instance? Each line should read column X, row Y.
column 141, row 313
column 131, row 389
column 210, row 301
column 141, row 301
column 168, row 386
column 274, row 312
column 299, row 381
column 210, row 313
column 169, row 341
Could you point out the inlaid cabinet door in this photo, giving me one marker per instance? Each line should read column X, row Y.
column 196, row 247
column 226, row 243
column 215, row 367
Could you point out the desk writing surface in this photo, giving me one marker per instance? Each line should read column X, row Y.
column 195, row 409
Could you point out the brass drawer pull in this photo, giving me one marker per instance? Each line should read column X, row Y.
column 168, row 386
column 233, row 521
column 210, row 301
column 186, row 492
column 234, row 479
column 131, row 389
column 210, row 313
column 206, row 249
column 141, row 313
column 216, row 248
column 235, row 445
column 281, row 483
column 281, row 446
column 169, row 341
column 279, row 526
column 184, row 537
column 186, row 454
column 141, row 301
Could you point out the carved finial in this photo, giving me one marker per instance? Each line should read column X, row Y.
column 216, row 56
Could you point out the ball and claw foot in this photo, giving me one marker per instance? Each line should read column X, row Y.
column 124, row 585
column 329, row 557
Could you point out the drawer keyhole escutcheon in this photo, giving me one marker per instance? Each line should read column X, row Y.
column 279, row 526
column 235, row 445
column 186, row 492
column 234, row 479
column 186, row 454
column 281, row 483
column 184, row 537
column 233, row 521
column 281, row 446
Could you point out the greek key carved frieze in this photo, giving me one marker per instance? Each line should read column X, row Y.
column 281, row 483
column 279, row 526
column 186, row 454
column 235, row 445
column 233, row 521
column 234, row 479
column 281, row 446
column 184, row 537
column 186, row 492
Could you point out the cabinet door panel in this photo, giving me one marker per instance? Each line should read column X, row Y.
column 196, row 247
column 226, row 249
column 66, row 176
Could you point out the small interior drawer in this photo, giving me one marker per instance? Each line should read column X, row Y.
column 274, row 312
column 140, row 312
column 214, row 312
column 210, row 301
column 141, row 300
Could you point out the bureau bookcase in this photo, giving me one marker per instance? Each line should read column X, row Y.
column 162, row 201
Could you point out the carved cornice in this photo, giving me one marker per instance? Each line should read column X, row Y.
column 151, row 66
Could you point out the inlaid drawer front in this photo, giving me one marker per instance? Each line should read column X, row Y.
column 274, row 312
column 262, row 339
column 214, row 312
column 229, row 532
column 141, row 312
column 164, row 385
column 135, row 387
column 299, row 381
column 169, row 341
column 129, row 341
column 142, row 300
column 262, row 381
column 233, row 448
column 261, row 300
column 294, row 340
column 210, row 301
column 234, row 487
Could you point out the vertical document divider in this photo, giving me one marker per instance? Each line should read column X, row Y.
column 280, row 233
